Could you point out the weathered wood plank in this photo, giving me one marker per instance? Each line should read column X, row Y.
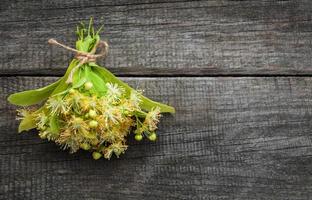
column 163, row 37
column 231, row 138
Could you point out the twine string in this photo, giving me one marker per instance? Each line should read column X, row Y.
column 83, row 57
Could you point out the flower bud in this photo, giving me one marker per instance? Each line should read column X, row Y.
column 88, row 85
column 152, row 137
column 85, row 146
column 138, row 137
column 92, row 113
column 96, row 155
column 93, row 124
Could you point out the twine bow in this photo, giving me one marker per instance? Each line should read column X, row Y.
column 83, row 57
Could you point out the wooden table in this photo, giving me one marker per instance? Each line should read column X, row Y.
column 238, row 73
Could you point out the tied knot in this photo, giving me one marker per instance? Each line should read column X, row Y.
column 85, row 57
column 81, row 56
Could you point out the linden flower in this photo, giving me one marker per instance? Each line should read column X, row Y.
column 74, row 98
column 23, row 113
column 111, row 137
column 110, row 115
column 57, row 105
column 152, row 119
column 77, row 124
column 114, row 92
column 117, row 148
column 135, row 99
column 42, row 119
column 88, row 103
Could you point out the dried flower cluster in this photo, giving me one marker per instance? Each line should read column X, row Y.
column 94, row 111
column 79, row 118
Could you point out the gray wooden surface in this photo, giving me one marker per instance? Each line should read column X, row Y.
column 242, row 130
column 163, row 37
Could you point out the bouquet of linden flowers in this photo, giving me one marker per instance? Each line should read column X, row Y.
column 89, row 108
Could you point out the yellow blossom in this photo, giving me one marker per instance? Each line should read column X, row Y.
column 57, row 105
column 152, row 119
column 114, row 92
column 116, row 148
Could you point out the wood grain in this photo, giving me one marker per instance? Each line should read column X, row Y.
column 231, row 138
column 167, row 38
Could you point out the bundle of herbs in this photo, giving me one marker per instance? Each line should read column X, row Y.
column 89, row 108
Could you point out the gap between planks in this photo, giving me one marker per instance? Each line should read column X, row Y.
column 173, row 75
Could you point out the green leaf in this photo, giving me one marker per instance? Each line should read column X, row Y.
column 27, row 123
column 98, row 83
column 79, row 83
column 62, row 86
column 147, row 104
column 31, row 97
